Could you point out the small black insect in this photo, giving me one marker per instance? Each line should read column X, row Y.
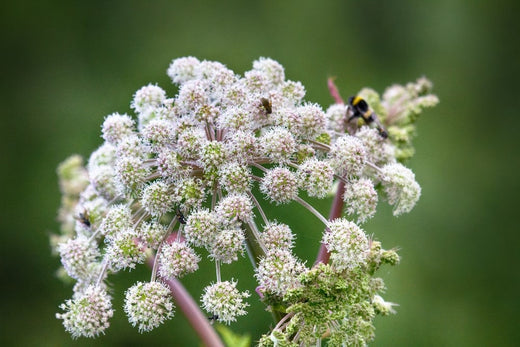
column 213, row 318
column 181, row 217
column 83, row 217
column 358, row 108
column 266, row 103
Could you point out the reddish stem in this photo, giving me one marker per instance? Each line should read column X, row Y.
column 335, row 212
column 333, row 90
column 337, row 204
column 191, row 310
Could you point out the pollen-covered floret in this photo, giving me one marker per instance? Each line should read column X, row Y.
column 311, row 121
column 177, row 259
column 212, row 155
column 183, row 69
column 278, row 272
column 116, row 127
column 235, row 177
column 125, row 250
column 157, row 198
column 280, row 185
column 227, row 245
column 348, row 156
column 224, row 301
column 316, row 177
column 360, row 199
column 236, row 118
column 242, row 146
column 117, row 218
column 201, row 227
column 277, row 236
column 148, row 305
column 131, row 146
column 131, row 174
column 293, row 91
column 402, row 191
column 347, row 244
column 336, row 118
column 189, row 192
column 379, row 151
column 234, row 208
column 103, row 179
column 273, row 71
column 191, row 96
column 105, row 155
column 152, row 233
column 278, row 144
column 88, row 314
column 169, row 166
column 190, row 141
column 148, row 97
column 77, row 255
column 159, row 133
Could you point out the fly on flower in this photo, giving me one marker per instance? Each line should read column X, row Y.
column 358, row 108
column 180, row 216
column 84, row 218
column 266, row 103
column 213, row 318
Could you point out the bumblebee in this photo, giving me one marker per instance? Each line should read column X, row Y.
column 84, row 219
column 180, row 216
column 358, row 108
column 266, row 103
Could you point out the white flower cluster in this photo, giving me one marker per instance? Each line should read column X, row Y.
column 182, row 173
column 148, row 305
column 88, row 314
column 224, row 301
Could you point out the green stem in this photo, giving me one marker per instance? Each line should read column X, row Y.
column 253, row 242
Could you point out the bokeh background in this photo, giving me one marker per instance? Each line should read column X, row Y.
column 65, row 65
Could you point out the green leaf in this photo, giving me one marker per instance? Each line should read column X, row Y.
column 231, row 339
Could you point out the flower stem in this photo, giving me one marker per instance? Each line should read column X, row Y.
column 259, row 208
column 335, row 212
column 191, row 310
column 333, row 90
column 253, row 242
column 311, row 209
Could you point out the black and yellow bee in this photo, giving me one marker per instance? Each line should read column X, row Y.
column 266, row 103
column 358, row 108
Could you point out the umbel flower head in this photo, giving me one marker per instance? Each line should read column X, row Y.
column 224, row 301
column 148, row 305
column 88, row 314
column 186, row 171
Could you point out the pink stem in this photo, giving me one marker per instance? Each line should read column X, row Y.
column 197, row 319
column 333, row 90
column 337, row 204
column 191, row 310
column 335, row 212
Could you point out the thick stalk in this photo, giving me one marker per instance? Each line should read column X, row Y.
column 333, row 90
column 191, row 310
column 335, row 212
column 337, row 203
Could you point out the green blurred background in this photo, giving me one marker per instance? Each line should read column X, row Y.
column 68, row 64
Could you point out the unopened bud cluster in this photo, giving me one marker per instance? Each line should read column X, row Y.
column 183, row 178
